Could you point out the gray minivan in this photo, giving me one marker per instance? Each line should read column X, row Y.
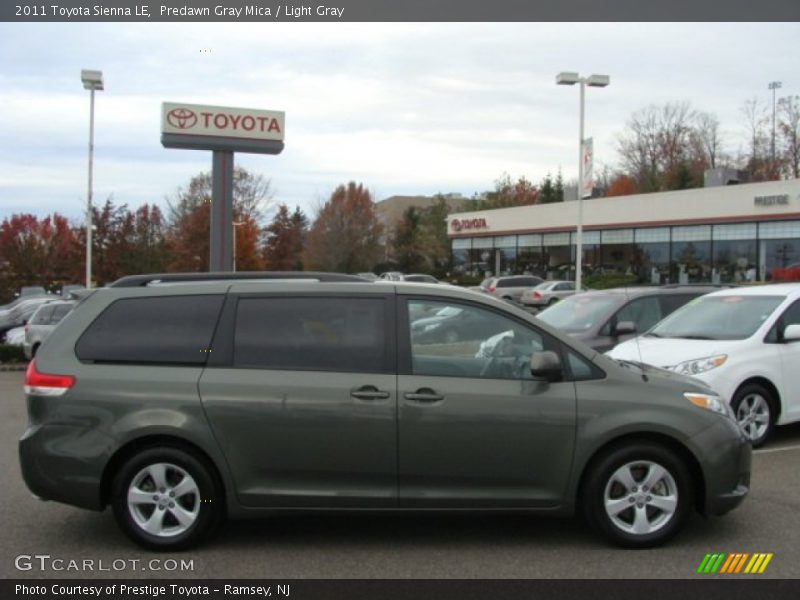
column 179, row 400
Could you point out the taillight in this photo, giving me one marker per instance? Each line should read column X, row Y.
column 537, row 295
column 492, row 290
column 46, row 384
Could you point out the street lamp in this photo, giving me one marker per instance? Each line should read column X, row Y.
column 570, row 78
column 92, row 81
column 773, row 85
column 235, row 225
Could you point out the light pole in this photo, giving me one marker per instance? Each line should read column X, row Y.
column 235, row 225
column 92, row 81
column 773, row 85
column 569, row 78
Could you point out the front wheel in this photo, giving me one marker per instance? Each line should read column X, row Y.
column 753, row 407
column 166, row 499
column 638, row 495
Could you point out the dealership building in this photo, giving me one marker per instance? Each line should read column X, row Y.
column 723, row 234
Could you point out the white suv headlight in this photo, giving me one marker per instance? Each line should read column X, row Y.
column 709, row 402
column 700, row 365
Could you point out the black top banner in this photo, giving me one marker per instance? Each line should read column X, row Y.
column 398, row 10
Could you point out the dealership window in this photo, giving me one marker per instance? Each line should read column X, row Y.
column 482, row 256
column 734, row 259
column 651, row 255
column 618, row 251
column 691, row 254
column 592, row 261
column 461, row 248
column 779, row 251
column 506, row 247
column 530, row 255
column 559, row 256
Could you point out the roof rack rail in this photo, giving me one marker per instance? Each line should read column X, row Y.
column 155, row 278
column 698, row 284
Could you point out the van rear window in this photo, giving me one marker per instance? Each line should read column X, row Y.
column 159, row 330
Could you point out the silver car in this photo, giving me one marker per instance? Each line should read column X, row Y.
column 547, row 293
column 42, row 323
column 510, row 287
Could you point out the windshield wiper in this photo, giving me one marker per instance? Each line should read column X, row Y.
column 656, row 335
column 696, row 337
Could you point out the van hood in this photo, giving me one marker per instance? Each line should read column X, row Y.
column 668, row 352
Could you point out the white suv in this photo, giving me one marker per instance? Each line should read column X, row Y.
column 744, row 343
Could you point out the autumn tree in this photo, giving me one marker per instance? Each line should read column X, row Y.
column 757, row 157
column 789, row 129
column 285, row 238
column 622, row 185
column 37, row 251
column 507, row 193
column 346, row 234
column 190, row 218
column 410, row 243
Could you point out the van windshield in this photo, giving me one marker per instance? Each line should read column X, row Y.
column 579, row 313
column 717, row 318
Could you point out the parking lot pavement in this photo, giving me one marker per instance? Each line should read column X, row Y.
column 399, row 546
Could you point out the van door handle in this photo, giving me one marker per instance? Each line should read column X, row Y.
column 423, row 395
column 369, row 392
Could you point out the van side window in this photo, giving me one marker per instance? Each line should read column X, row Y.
column 462, row 340
column 153, row 330
column 311, row 334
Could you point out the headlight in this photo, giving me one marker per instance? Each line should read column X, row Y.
column 709, row 402
column 700, row 365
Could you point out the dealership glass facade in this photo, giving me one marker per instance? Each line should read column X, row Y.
column 719, row 253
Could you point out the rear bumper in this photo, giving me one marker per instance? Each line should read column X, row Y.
column 64, row 464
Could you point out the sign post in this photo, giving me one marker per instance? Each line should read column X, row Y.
column 223, row 130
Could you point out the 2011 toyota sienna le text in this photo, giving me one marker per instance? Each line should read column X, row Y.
column 178, row 402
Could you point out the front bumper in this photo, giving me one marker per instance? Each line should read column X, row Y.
column 726, row 466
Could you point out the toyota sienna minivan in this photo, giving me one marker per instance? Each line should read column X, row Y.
column 179, row 400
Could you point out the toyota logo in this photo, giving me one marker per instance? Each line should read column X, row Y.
column 181, row 118
column 456, row 225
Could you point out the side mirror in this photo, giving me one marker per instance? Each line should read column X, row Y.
column 791, row 333
column 547, row 365
column 625, row 327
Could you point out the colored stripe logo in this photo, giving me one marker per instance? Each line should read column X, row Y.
column 736, row 563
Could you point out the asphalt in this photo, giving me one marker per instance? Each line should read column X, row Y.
column 398, row 546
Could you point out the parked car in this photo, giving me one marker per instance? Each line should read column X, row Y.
column 19, row 314
column 28, row 291
column 510, row 287
column 392, row 276
column 369, row 276
column 42, row 323
column 604, row 318
column 273, row 395
column 547, row 293
column 420, row 278
column 744, row 343
column 14, row 337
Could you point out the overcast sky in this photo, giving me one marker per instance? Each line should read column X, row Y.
column 403, row 108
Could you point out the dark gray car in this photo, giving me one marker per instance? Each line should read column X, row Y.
column 178, row 403
column 604, row 318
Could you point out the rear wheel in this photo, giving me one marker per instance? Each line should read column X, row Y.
column 754, row 408
column 638, row 495
column 166, row 499
column 552, row 301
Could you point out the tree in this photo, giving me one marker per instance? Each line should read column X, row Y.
column 707, row 138
column 757, row 157
column 789, row 128
column 345, row 235
column 657, row 149
column 410, row 243
column 622, row 185
column 285, row 237
column 37, row 252
column 190, row 218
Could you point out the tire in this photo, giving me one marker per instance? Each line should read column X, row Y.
column 618, row 505
column 552, row 301
column 755, row 411
column 185, row 518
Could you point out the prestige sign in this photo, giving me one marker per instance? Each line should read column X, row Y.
column 219, row 121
